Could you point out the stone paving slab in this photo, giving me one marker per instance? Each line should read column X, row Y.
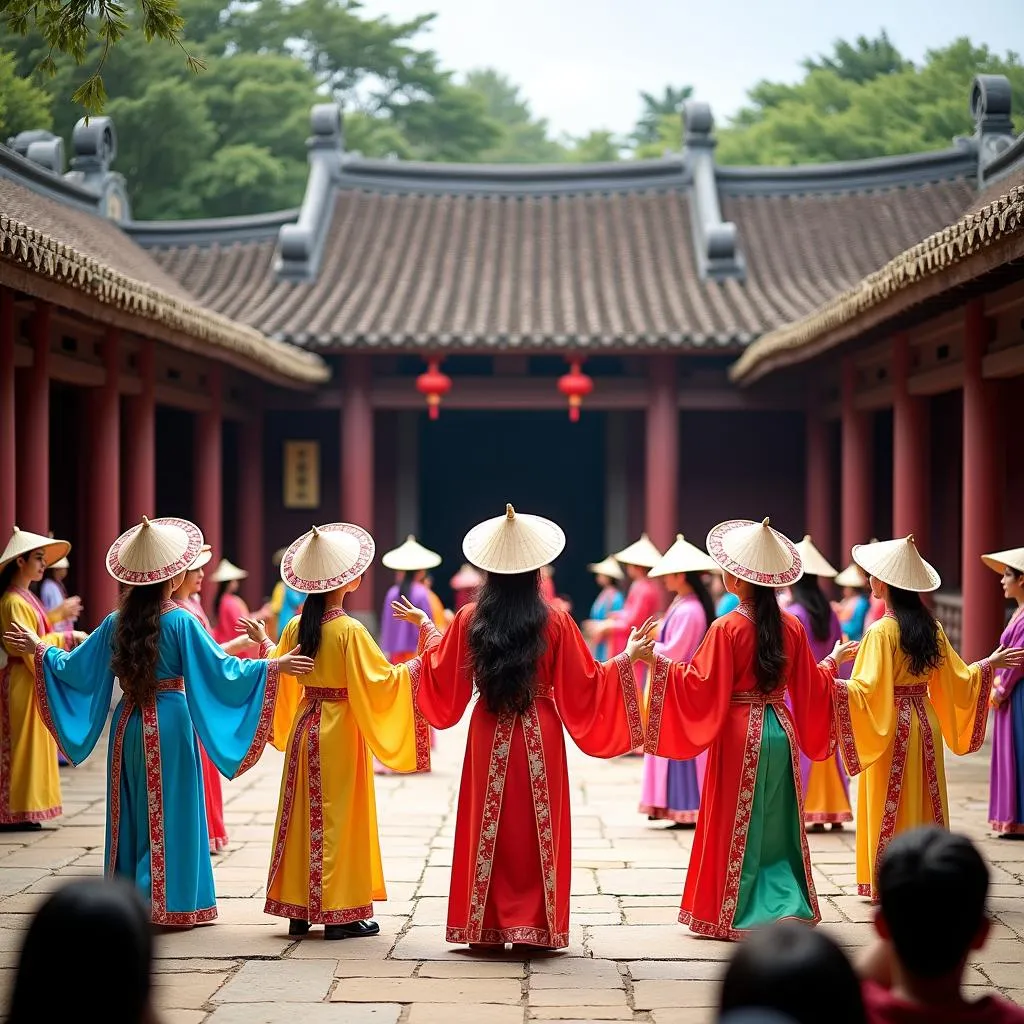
column 629, row 959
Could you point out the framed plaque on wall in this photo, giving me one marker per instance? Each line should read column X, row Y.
column 302, row 474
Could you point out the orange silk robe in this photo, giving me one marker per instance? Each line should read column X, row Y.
column 512, row 868
column 712, row 703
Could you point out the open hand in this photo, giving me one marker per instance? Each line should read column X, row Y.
column 295, row 664
column 72, row 608
column 20, row 640
column 1007, row 657
column 844, row 650
column 648, row 628
column 254, row 629
column 640, row 646
column 406, row 611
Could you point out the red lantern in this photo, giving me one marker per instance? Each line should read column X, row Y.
column 575, row 385
column 435, row 385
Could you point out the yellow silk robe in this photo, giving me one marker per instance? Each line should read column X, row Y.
column 891, row 727
column 326, row 864
column 29, row 780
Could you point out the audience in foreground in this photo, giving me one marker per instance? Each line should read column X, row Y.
column 88, row 951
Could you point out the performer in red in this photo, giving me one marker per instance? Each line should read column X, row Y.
column 513, row 850
column 750, row 864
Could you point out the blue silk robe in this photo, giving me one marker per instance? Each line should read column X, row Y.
column 156, row 815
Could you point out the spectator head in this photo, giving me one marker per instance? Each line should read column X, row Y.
column 932, row 887
column 105, row 930
column 793, row 970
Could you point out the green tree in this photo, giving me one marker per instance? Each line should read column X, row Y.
column 862, row 60
column 836, row 116
column 524, row 139
column 22, row 104
column 656, row 109
column 598, row 146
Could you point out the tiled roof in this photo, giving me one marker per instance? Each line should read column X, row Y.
column 611, row 269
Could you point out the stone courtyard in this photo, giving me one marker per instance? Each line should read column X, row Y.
column 628, row 961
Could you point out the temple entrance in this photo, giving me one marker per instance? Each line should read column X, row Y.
column 472, row 463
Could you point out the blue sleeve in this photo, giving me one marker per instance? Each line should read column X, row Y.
column 231, row 700
column 618, row 602
column 73, row 691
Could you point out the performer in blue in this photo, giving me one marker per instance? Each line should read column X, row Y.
column 177, row 683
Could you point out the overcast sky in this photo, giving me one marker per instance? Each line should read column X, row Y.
column 581, row 63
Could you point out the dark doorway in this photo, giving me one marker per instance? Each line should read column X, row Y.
column 472, row 463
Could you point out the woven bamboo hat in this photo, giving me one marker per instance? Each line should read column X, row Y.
column 226, row 572
column 154, row 551
column 684, row 557
column 898, row 563
column 23, row 542
column 1010, row 559
column 607, row 567
column 411, row 557
column 513, row 543
column 61, row 563
column 815, row 563
column 641, row 552
column 326, row 558
column 203, row 558
column 851, row 576
column 755, row 552
column 466, row 579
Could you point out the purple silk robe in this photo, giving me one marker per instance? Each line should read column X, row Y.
column 397, row 636
column 1006, row 792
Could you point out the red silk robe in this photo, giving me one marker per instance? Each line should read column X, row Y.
column 712, row 703
column 512, row 867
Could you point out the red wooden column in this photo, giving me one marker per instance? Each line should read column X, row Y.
column 8, row 418
column 357, row 461
column 661, row 465
column 818, row 485
column 140, row 443
column 250, row 509
column 209, row 474
column 33, row 455
column 911, row 453
column 103, row 495
column 983, row 482
column 857, row 474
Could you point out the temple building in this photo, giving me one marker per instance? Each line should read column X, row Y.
column 650, row 345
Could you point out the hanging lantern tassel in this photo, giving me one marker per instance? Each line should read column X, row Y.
column 575, row 385
column 434, row 385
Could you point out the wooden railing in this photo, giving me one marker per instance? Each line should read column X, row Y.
column 949, row 610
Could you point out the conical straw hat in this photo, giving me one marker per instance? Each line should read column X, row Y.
column 203, row 558
column 607, row 567
column 23, row 542
column 154, row 551
column 755, row 552
column 513, row 543
column 898, row 563
column 411, row 557
column 815, row 563
column 226, row 572
column 61, row 563
column 1000, row 560
column 641, row 552
column 684, row 557
column 851, row 576
column 466, row 579
column 326, row 558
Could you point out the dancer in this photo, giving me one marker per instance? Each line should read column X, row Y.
column 608, row 575
column 855, row 605
column 53, row 596
column 326, row 865
column 1006, row 797
column 750, row 864
column 643, row 599
column 535, row 677
column 826, row 787
column 177, row 683
column 229, row 609
column 909, row 691
column 284, row 604
column 670, row 790
column 465, row 583
column 29, row 780
column 439, row 615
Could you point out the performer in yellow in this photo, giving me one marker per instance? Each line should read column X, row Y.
column 326, row 865
column 29, row 780
column 908, row 692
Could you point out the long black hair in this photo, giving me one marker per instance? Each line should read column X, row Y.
column 919, row 632
column 105, row 923
column 771, row 656
column 310, row 626
column 7, row 575
column 506, row 640
column 700, row 591
column 807, row 593
column 136, row 644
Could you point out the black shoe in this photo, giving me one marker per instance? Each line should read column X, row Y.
column 298, row 927
column 356, row 930
column 21, row 826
